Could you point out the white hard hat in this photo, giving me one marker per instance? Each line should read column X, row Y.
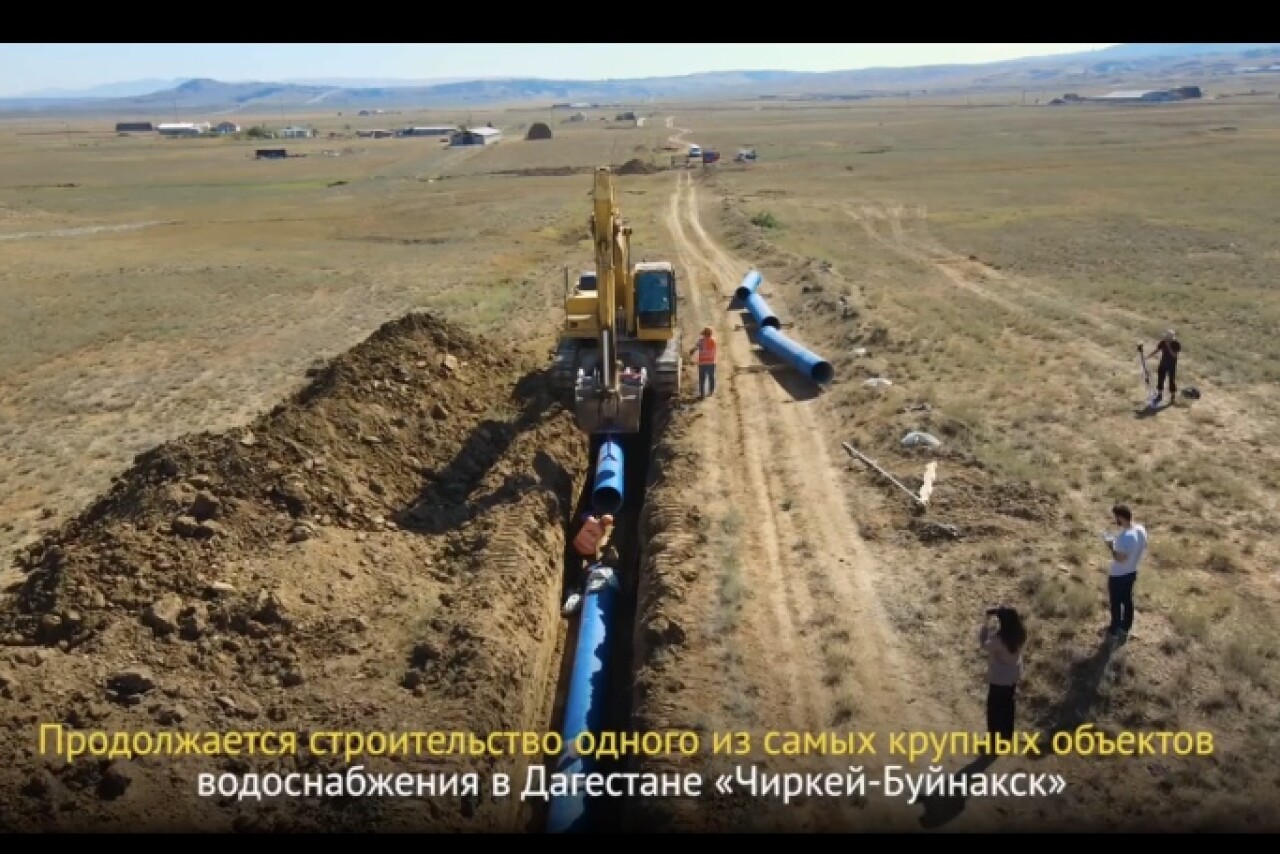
column 1169, row 334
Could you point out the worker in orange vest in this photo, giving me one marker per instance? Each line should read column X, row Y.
column 592, row 537
column 706, row 350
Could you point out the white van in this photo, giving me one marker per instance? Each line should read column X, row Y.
column 695, row 151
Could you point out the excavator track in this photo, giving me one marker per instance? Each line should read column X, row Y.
column 564, row 368
column 665, row 368
column 667, row 371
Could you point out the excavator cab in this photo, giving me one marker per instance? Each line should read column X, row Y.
column 655, row 286
column 653, row 294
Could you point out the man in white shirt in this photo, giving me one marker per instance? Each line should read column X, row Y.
column 1127, row 548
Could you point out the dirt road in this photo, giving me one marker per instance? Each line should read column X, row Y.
column 815, row 651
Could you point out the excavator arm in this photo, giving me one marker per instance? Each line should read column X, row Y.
column 607, row 232
column 606, row 402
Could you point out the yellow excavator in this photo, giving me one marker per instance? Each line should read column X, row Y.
column 620, row 344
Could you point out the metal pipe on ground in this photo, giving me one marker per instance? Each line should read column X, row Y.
column 761, row 313
column 587, row 700
column 749, row 284
column 607, row 493
column 797, row 356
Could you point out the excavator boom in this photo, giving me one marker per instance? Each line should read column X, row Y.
column 608, row 400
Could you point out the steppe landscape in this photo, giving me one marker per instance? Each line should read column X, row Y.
column 280, row 453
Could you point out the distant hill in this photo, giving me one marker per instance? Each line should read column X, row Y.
column 1173, row 50
column 376, row 82
column 125, row 89
column 1119, row 66
column 213, row 96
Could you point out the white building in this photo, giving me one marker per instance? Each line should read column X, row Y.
column 426, row 131
column 183, row 129
column 475, row 136
column 297, row 133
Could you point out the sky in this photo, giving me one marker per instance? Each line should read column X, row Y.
column 31, row 67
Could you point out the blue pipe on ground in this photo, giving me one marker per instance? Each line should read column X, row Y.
column 750, row 282
column 588, row 698
column 761, row 313
column 813, row 366
column 606, row 494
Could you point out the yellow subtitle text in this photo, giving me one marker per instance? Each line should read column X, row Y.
column 73, row 744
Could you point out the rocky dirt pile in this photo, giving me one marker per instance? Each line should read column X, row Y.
column 381, row 553
column 636, row 166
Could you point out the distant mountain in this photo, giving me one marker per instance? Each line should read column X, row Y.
column 126, row 89
column 207, row 96
column 1174, row 50
column 366, row 82
column 1129, row 65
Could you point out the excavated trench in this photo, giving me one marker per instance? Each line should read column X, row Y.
column 606, row 814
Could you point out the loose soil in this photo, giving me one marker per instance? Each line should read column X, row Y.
column 381, row 553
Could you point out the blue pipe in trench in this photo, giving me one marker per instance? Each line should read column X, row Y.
column 607, row 493
column 587, row 702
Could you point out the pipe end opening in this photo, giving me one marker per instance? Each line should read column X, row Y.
column 606, row 499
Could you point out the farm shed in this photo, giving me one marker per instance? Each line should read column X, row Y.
column 134, row 127
column 183, row 129
column 226, row 127
column 427, row 131
column 476, row 136
column 1138, row 96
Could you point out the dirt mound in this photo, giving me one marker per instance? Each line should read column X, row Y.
column 636, row 166
column 538, row 130
column 381, row 553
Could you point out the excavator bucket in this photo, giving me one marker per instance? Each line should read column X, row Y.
column 599, row 411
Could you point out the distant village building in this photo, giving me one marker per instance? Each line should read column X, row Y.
column 271, row 154
column 1134, row 96
column 1138, row 96
column 297, row 133
column 226, row 128
column 134, row 127
column 475, row 136
column 183, row 129
column 426, row 131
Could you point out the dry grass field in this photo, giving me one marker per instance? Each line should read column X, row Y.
column 997, row 264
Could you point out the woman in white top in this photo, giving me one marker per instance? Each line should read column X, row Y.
column 1004, row 668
